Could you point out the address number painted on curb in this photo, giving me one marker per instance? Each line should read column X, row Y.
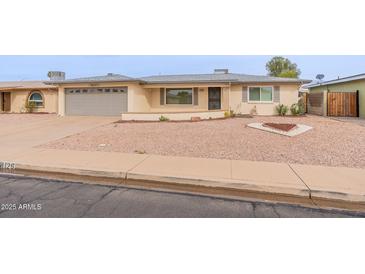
column 7, row 165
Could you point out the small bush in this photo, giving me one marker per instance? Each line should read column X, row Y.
column 163, row 119
column 298, row 108
column 301, row 104
column 30, row 106
column 295, row 109
column 282, row 109
column 230, row 113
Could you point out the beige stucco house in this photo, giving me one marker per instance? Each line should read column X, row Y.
column 177, row 97
column 18, row 96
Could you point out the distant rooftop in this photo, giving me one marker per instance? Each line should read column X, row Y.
column 338, row 80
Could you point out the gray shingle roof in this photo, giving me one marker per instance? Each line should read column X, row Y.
column 24, row 85
column 110, row 77
column 218, row 77
column 184, row 78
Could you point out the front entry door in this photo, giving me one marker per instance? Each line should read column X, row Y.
column 5, row 106
column 214, row 98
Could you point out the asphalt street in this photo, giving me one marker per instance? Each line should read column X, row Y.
column 31, row 197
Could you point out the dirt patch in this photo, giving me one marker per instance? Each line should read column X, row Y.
column 330, row 142
column 283, row 127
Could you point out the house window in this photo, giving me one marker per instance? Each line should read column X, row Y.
column 179, row 96
column 36, row 99
column 260, row 94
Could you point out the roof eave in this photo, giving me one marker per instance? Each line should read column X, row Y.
column 27, row 88
column 235, row 81
column 188, row 82
column 92, row 81
column 277, row 82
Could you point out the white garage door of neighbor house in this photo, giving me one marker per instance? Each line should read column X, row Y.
column 97, row 101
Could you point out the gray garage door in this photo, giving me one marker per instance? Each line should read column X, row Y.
column 97, row 101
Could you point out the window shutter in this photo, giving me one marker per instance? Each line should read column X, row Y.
column 196, row 96
column 162, row 96
column 244, row 94
column 277, row 94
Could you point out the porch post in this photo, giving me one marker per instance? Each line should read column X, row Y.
column 229, row 97
column 61, row 101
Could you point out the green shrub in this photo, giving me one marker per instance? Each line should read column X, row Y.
column 163, row 119
column 301, row 105
column 230, row 113
column 294, row 109
column 30, row 106
column 282, row 109
column 298, row 108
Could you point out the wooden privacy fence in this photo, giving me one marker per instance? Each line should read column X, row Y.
column 304, row 99
column 315, row 103
column 342, row 104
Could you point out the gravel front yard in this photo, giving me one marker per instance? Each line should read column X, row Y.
column 330, row 142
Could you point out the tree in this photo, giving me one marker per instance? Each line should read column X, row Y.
column 282, row 67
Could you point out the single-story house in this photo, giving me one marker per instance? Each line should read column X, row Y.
column 338, row 97
column 177, row 97
column 18, row 96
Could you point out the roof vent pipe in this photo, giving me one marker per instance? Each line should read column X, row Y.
column 220, row 71
column 56, row 75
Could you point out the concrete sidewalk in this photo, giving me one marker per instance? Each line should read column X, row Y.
column 300, row 184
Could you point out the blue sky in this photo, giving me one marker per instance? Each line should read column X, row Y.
column 30, row 67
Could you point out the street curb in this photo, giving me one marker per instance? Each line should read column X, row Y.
column 206, row 186
column 223, row 188
column 70, row 174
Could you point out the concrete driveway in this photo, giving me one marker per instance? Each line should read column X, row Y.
column 21, row 132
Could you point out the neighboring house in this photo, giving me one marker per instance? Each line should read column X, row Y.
column 339, row 97
column 175, row 96
column 15, row 96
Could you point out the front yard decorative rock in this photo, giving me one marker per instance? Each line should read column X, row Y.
column 299, row 129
